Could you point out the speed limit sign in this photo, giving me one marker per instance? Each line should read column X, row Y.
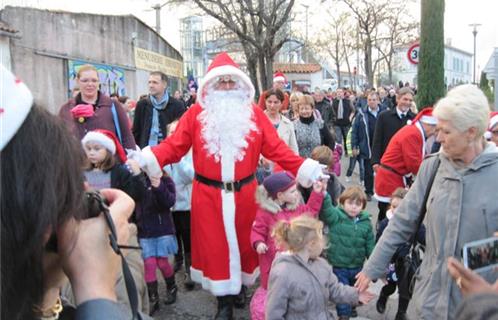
column 413, row 53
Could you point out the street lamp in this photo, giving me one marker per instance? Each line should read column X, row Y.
column 474, row 32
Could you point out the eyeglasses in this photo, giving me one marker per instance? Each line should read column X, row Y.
column 84, row 80
column 225, row 79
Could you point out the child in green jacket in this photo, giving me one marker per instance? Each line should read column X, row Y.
column 351, row 238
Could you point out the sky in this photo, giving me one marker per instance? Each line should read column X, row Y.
column 458, row 15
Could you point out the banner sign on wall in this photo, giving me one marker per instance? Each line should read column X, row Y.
column 152, row 61
column 112, row 79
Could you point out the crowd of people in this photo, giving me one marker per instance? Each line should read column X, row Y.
column 234, row 191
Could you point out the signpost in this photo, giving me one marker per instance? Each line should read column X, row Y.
column 413, row 53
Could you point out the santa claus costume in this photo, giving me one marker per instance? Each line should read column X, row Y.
column 227, row 133
column 403, row 156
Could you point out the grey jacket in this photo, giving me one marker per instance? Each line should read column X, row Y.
column 461, row 207
column 301, row 290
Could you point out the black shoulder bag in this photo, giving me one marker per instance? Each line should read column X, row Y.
column 412, row 261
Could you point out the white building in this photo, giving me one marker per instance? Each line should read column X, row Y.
column 457, row 66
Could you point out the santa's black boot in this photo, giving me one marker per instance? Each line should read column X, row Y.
column 225, row 308
column 240, row 299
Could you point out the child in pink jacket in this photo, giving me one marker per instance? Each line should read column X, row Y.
column 278, row 199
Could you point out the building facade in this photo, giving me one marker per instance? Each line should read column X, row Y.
column 457, row 66
column 51, row 45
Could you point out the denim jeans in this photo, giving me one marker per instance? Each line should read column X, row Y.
column 341, row 133
column 347, row 277
column 352, row 164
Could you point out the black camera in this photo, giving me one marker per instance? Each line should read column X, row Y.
column 94, row 203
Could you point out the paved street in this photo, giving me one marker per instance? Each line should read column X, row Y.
column 199, row 304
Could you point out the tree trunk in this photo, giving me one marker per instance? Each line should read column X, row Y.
column 431, row 63
column 368, row 61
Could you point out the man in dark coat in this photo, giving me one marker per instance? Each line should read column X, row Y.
column 155, row 112
column 388, row 123
column 344, row 112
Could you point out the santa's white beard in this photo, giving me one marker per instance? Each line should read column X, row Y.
column 226, row 123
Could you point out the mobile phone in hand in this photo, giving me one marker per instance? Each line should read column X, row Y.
column 481, row 255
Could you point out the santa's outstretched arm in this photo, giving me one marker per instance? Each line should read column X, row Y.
column 170, row 150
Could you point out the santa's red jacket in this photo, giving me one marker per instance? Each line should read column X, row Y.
column 402, row 158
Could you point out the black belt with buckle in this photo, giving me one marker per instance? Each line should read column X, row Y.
column 227, row 186
column 388, row 168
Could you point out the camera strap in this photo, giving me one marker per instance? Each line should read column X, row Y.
column 131, row 288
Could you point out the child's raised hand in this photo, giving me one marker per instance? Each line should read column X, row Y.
column 320, row 185
column 261, row 248
column 155, row 181
column 365, row 297
column 133, row 166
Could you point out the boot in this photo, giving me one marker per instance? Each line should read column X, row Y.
column 400, row 315
column 354, row 313
column 240, row 299
column 381, row 303
column 153, row 297
column 189, row 284
column 171, row 290
column 225, row 308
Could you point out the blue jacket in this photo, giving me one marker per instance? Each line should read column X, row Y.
column 182, row 174
column 360, row 138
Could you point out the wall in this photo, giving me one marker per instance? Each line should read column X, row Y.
column 50, row 38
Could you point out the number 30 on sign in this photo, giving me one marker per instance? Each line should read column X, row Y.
column 413, row 53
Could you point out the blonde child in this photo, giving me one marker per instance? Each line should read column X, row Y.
column 278, row 200
column 351, row 239
column 301, row 283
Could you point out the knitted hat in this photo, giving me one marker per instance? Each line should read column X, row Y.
column 108, row 139
column 424, row 116
column 279, row 76
column 278, row 182
column 493, row 121
column 15, row 104
column 223, row 65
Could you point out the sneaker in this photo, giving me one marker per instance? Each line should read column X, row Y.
column 348, row 179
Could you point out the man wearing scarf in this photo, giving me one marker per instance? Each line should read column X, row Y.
column 344, row 112
column 154, row 113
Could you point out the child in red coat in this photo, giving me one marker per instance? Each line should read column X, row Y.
column 278, row 199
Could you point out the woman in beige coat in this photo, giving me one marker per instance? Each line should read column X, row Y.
column 461, row 206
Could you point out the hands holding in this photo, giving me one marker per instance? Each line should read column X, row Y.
column 261, row 248
column 155, row 181
column 362, row 281
column 133, row 166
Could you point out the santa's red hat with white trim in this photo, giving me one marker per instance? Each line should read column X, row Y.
column 224, row 66
column 493, row 121
column 279, row 76
column 424, row 116
column 107, row 139
column 15, row 104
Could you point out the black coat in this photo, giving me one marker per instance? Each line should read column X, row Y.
column 388, row 123
column 348, row 109
column 143, row 119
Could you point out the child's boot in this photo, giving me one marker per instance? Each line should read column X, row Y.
column 171, row 290
column 153, row 297
column 381, row 303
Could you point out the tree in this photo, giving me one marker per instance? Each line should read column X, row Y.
column 330, row 40
column 259, row 25
column 400, row 29
column 431, row 63
column 369, row 16
column 485, row 87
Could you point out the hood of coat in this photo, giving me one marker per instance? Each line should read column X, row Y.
column 266, row 202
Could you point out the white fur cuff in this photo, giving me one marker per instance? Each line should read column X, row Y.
column 309, row 172
column 151, row 165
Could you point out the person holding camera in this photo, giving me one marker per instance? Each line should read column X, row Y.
column 42, row 203
column 460, row 205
